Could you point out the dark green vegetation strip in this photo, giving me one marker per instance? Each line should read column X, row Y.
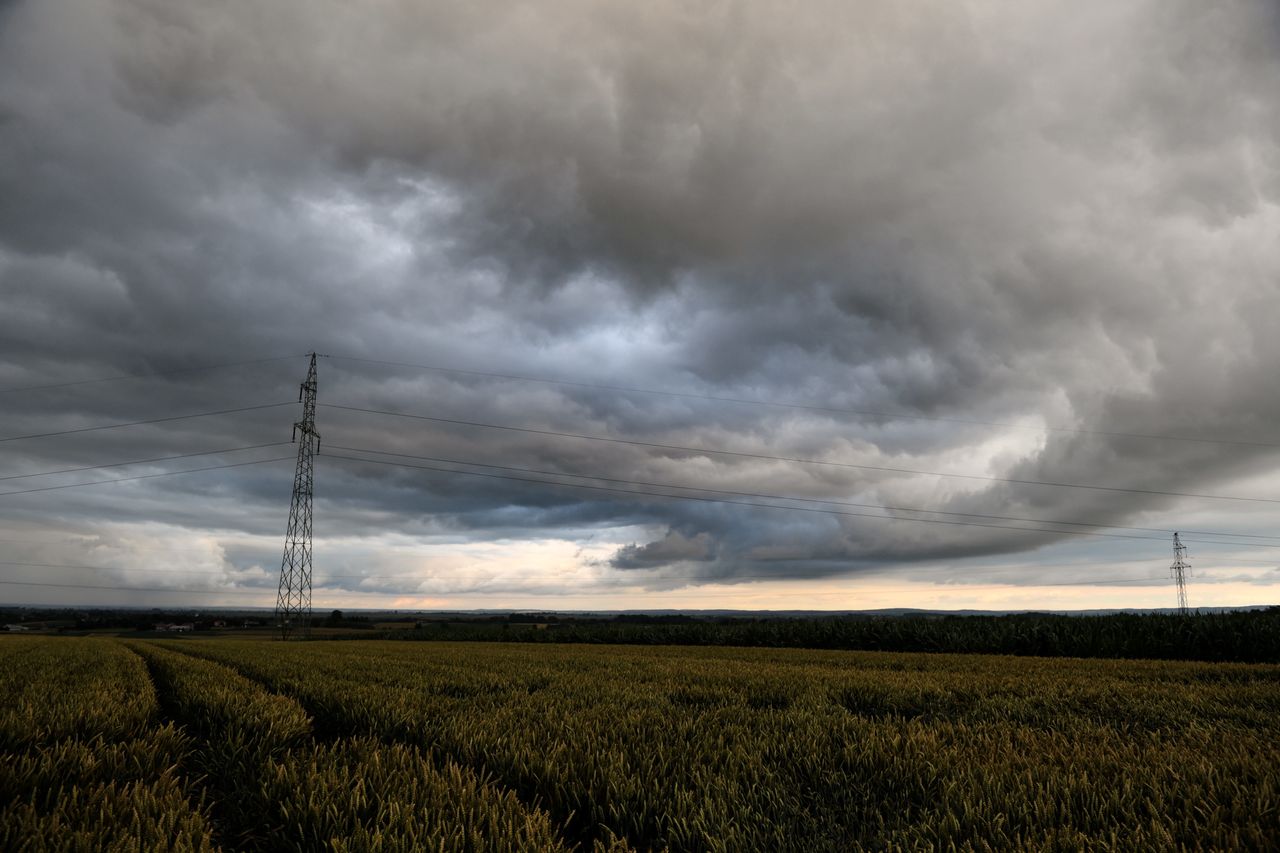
column 275, row 789
column 750, row 749
column 87, row 765
column 1246, row 637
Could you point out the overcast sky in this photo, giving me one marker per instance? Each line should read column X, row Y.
column 1014, row 241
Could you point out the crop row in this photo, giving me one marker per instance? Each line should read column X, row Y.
column 54, row 690
column 716, row 749
column 109, row 747
column 275, row 789
column 87, row 765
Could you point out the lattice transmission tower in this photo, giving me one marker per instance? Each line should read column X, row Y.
column 293, row 603
column 1180, row 569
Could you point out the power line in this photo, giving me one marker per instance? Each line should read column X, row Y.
column 265, row 591
column 834, row 512
column 964, row 587
column 803, row 407
column 769, row 496
column 792, row 508
column 1129, row 581
column 1134, row 581
column 141, row 461
column 879, row 568
column 742, row 454
column 148, row 421
column 112, row 568
column 914, row 568
column 146, row 476
column 418, row 575
column 81, row 540
column 149, row 374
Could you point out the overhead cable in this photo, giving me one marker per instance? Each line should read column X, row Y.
column 142, row 461
column 268, row 591
column 772, row 458
column 146, row 476
column 433, row 573
column 148, row 421
column 148, row 374
column 769, row 496
column 801, row 406
column 817, row 510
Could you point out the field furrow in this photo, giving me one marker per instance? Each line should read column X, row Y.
column 277, row 789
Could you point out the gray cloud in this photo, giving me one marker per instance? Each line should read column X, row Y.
column 987, row 212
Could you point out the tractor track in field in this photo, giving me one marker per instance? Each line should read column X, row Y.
column 219, row 825
column 573, row 835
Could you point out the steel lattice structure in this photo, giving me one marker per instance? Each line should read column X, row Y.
column 1180, row 569
column 293, row 603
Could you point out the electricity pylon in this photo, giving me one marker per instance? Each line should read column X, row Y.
column 293, row 604
column 1180, row 569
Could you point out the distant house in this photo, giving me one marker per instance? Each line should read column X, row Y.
column 16, row 628
column 174, row 627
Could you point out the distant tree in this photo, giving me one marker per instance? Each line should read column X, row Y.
column 335, row 619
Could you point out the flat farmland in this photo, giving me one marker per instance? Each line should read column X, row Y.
column 368, row 745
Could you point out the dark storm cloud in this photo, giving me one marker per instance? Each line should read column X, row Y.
column 988, row 212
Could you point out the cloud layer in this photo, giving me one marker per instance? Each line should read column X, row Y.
column 987, row 212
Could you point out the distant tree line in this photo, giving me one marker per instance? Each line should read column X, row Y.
column 1246, row 636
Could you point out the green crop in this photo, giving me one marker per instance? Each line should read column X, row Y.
column 362, row 794
column 88, row 766
column 54, row 690
column 275, row 789
column 732, row 749
column 388, row 746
